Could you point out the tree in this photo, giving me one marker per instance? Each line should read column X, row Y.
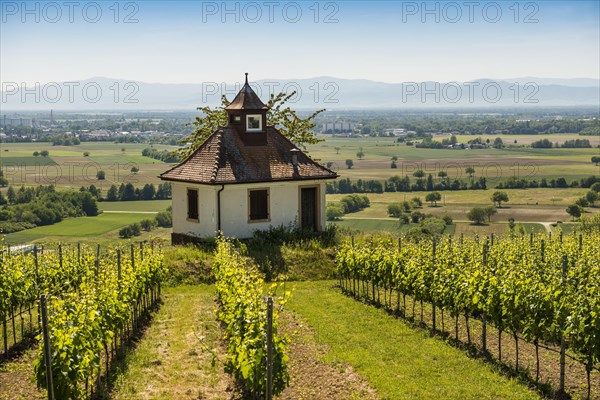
column 86, row 153
column 394, row 158
column 44, row 153
column 498, row 143
column 416, row 202
column 499, row 197
column 298, row 130
column 122, row 149
column 574, row 211
column 596, row 187
column 337, row 150
column 442, row 174
column 334, row 211
column 477, row 215
column 360, row 153
column 349, row 164
column 148, row 191
column 11, row 195
column 135, row 170
column 394, row 210
column 582, row 202
column 128, row 193
column 419, row 173
column 490, row 211
column 3, row 180
column 94, row 191
column 36, row 153
column 596, row 160
column 112, row 194
column 433, row 198
column 470, row 171
column 88, row 204
column 100, row 175
column 393, row 165
column 429, row 185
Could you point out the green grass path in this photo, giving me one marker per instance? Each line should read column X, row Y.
column 172, row 361
column 399, row 362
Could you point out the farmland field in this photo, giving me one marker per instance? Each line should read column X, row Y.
column 74, row 229
column 66, row 166
column 494, row 164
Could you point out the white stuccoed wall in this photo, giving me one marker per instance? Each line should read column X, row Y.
column 284, row 207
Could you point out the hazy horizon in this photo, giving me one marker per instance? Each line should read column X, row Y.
column 391, row 42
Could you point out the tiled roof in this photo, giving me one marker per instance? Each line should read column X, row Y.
column 223, row 158
column 246, row 99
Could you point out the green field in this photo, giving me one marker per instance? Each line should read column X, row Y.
column 76, row 228
column 135, row 206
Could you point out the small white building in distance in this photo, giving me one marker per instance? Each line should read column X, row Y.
column 246, row 176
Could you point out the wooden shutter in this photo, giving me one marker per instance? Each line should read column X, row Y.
column 259, row 204
column 192, row 201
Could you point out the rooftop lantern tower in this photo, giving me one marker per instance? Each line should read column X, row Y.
column 247, row 114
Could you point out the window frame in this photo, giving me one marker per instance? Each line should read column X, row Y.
column 268, row 201
column 260, row 123
column 187, row 199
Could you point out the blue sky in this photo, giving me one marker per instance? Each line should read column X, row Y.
column 205, row 41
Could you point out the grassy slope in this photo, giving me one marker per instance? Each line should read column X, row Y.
column 397, row 361
column 81, row 227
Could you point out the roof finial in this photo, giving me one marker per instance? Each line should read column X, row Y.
column 246, row 78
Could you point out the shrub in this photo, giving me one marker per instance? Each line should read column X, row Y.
column 417, row 216
column 447, row 219
column 355, row 202
column 334, row 211
column 164, row 219
column 147, row 224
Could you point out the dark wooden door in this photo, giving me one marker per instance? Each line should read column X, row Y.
column 308, row 208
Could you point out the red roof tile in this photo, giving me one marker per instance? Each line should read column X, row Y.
column 246, row 99
column 223, row 158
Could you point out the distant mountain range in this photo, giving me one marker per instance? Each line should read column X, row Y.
column 102, row 93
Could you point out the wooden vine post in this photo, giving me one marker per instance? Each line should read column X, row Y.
column 269, row 386
column 47, row 350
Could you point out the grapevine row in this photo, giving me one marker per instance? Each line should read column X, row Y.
column 243, row 313
column 87, row 324
column 24, row 276
column 545, row 290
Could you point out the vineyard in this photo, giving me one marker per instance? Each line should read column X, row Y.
column 545, row 292
column 86, row 303
column 256, row 354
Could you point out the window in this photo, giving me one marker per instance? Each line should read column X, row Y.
column 254, row 123
column 259, row 204
column 236, row 119
column 192, row 204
